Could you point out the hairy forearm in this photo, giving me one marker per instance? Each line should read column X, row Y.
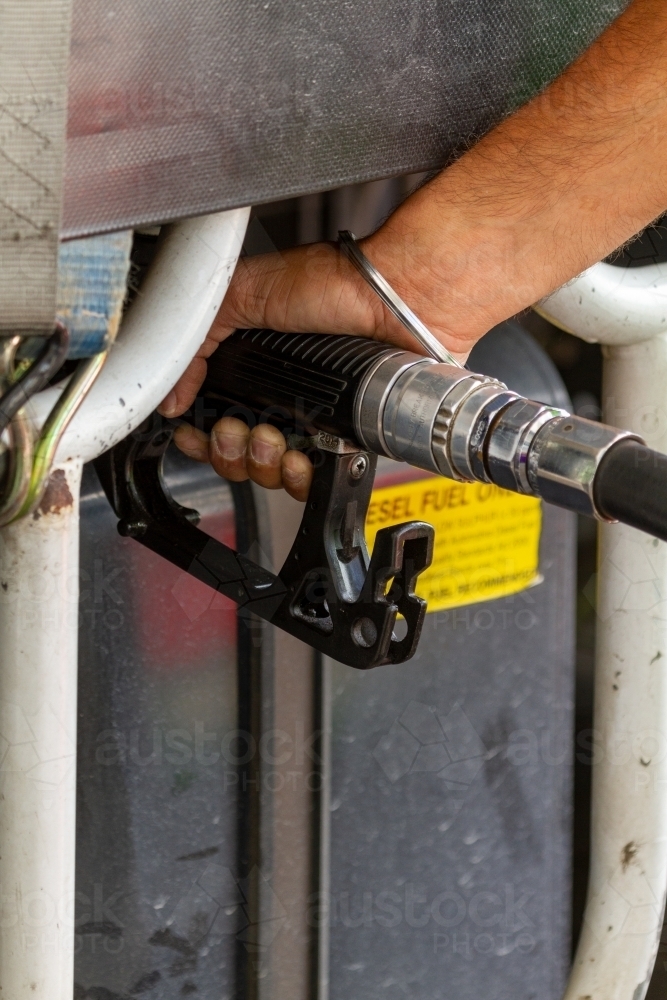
column 551, row 190
column 554, row 188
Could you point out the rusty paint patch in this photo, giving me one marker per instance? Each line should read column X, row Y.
column 57, row 495
column 628, row 854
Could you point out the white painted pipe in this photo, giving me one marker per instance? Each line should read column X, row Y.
column 39, row 567
column 39, row 570
column 628, row 879
column 159, row 336
column 611, row 305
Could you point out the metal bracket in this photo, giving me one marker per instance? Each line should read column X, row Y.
column 328, row 593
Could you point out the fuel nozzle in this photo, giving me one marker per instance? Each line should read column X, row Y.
column 472, row 428
column 438, row 417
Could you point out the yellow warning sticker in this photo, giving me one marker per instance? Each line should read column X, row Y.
column 486, row 539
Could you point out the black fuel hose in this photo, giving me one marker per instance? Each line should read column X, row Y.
column 631, row 487
column 43, row 368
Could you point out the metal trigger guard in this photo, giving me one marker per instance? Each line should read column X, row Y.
column 327, row 593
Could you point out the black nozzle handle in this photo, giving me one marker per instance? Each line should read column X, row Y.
column 301, row 383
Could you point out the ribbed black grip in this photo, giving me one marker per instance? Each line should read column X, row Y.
column 631, row 486
column 300, row 382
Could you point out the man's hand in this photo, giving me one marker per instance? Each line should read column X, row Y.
column 556, row 187
column 310, row 289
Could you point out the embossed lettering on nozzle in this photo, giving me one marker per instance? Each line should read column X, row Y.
column 470, row 427
column 373, row 392
column 510, row 439
column 427, row 417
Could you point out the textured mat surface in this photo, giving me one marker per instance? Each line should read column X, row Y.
column 188, row 106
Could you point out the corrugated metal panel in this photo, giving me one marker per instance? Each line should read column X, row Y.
column 186, row 107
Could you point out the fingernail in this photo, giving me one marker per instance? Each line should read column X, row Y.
column 168, row 404
column 293, row 478
column 229, row 446
column 263, row 452
column 189, row 443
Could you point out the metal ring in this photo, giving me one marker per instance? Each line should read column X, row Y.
column 348, row 246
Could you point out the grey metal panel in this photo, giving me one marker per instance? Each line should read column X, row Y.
column 450, row 798
column 159, row 903
column 183, row 107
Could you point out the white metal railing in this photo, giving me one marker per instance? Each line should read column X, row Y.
column 626, row 311
column 39, row 572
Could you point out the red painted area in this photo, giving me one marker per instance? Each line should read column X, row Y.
column 181, row 622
